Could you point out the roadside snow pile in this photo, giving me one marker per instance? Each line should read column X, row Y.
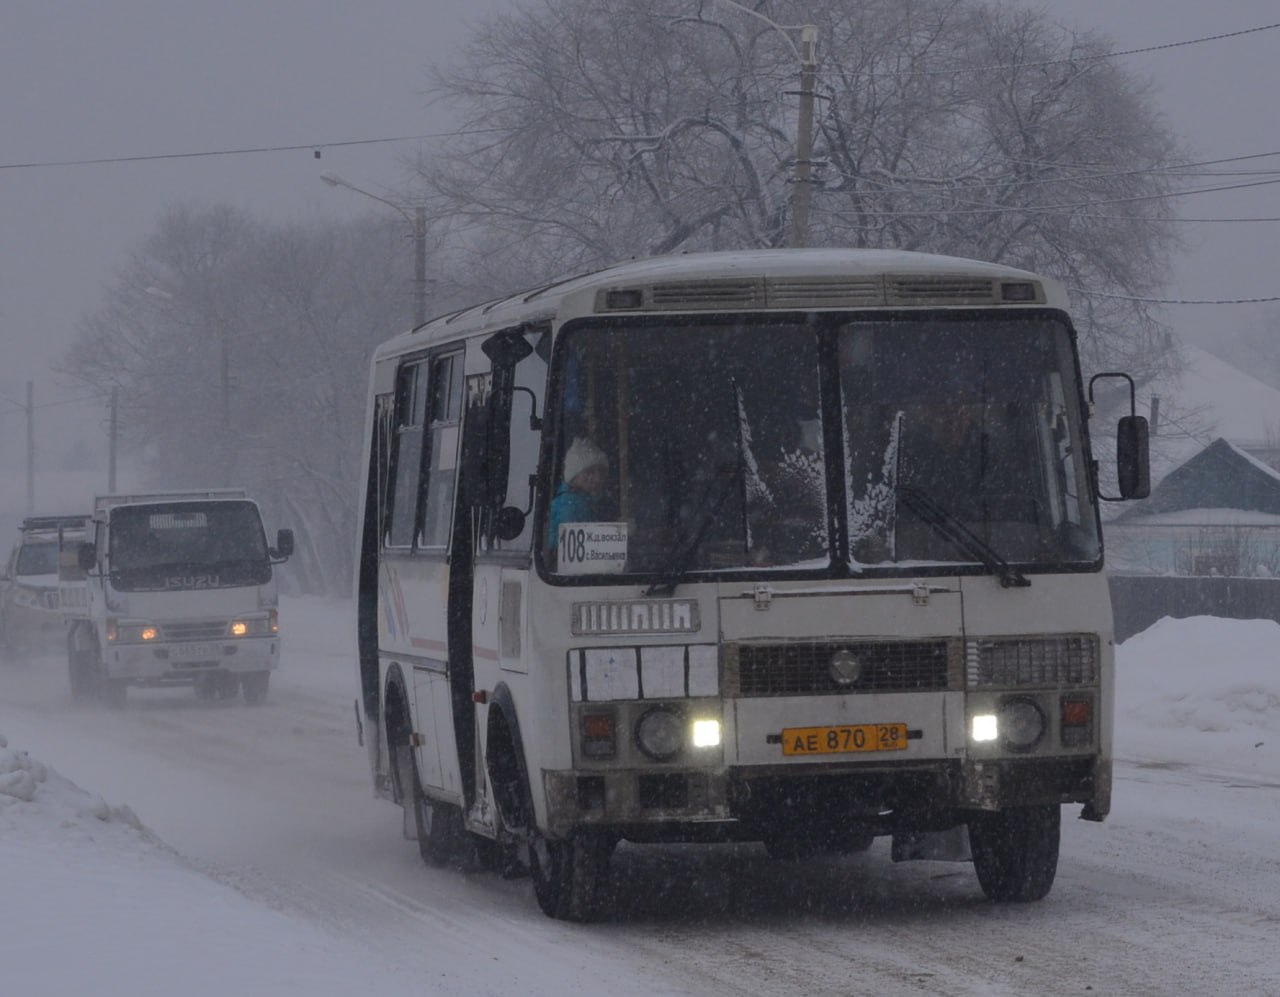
column 96, row 903
column 1202, row 691
column 25, row 780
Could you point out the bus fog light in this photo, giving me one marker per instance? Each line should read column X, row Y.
column 1021, row 724
column 706, row 733
column 659, row 734
column 983, row 727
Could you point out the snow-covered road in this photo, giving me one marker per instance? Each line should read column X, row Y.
column 1179, row 892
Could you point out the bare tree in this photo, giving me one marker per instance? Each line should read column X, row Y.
column 240, row 353
column 595, row 130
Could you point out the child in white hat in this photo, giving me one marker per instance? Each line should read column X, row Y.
column 577, row 498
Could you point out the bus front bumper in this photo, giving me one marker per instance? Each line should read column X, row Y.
column 747, row 803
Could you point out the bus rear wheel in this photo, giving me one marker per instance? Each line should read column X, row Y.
column 1015, row 851
column 441, row 837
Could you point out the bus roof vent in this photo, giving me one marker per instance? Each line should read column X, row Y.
column 912, row 290
column 824, row 292
column 748, row 293
column 702, row 295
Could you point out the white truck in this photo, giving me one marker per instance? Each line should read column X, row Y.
column 179, row 589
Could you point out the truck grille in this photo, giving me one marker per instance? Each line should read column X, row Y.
column 204, row 630
column 804, row 668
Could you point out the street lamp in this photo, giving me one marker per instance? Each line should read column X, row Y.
column 418, row 223
column 807, row 56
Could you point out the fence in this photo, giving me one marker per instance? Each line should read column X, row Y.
column 1140, row 600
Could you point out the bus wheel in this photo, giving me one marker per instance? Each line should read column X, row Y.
column 254, row 685
column 1015, row 851
column 569, row 875
column 441, row 837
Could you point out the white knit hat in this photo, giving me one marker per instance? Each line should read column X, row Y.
column 582, row 455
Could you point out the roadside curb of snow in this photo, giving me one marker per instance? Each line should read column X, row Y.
column 25, row 780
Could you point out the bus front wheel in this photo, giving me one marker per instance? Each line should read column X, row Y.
column 569, row 874
column 1015, row 851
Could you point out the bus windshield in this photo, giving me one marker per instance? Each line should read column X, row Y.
column 844, row 444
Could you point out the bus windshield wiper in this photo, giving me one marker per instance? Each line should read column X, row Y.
column 964, row 538
column 684, row 552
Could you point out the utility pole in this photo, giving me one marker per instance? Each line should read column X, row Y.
column 803, row 192
column 418, row 223
column 31, row 447
column 419, row 265
column 113, row 441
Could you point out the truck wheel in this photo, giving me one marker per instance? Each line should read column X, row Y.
column 1015, row 851
column 81, row 673
column 255, row 685
column 114, row 692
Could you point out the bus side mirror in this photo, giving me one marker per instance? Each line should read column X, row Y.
column 510, row 523
column 86, row 556
column 1133, row 457
column 284, row 544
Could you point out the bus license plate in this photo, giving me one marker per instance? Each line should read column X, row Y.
column 844, row 738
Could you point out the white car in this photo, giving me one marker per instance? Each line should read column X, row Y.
column 30, row 617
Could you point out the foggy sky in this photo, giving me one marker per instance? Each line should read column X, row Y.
column 84, row 79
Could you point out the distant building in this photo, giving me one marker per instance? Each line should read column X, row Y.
column 1217, row 513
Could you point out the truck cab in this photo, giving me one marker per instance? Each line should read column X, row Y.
column 179, row 589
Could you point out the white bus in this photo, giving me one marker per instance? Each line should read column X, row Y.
column 798, row 546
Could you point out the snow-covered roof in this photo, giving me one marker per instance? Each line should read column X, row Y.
column 1221, row 476
column 536, row 304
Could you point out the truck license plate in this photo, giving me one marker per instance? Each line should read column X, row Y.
column 843, row 738
column 194, row 652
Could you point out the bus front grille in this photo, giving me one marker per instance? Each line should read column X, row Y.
column 803, row 668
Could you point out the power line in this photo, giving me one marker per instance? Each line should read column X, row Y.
column 248, row 150
column 1174, row 301
column 1068, row 61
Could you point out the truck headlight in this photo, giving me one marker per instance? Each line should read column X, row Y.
column 131, row 631
column 256, row 626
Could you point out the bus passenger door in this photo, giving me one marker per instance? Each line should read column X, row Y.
column 502, row 449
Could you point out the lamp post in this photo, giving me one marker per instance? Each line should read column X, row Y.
column 807, row 56
column 418, row 223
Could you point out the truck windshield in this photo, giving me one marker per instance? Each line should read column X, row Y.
column 756, row 445
column 181, row 545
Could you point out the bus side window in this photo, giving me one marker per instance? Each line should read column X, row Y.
column 406, row 454
column 440, row 476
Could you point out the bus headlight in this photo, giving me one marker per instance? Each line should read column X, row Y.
column 1021, row 724
column 983, row 727
column 706, row 733
column 660, row 734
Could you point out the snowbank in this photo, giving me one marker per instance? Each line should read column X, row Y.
column 1201, row 691
column 95, row 904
